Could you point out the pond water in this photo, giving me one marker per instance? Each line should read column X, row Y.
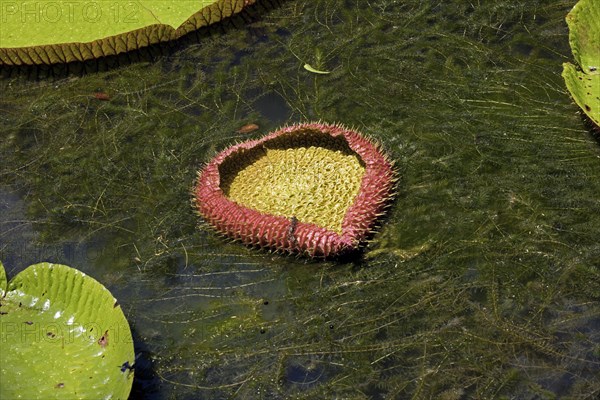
column 482, row 282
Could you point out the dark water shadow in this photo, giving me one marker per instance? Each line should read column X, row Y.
column 146, row 383
column 591, row 127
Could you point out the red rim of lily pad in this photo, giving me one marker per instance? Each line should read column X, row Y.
column 285, row 233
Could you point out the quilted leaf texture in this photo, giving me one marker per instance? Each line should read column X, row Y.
column 50, row 32
column 63, row 335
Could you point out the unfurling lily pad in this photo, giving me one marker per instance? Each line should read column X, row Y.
column 583, row 81
column 312, row 188
column 63, row 335
column 50, row 32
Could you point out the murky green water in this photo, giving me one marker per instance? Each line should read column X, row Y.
column 484, row 282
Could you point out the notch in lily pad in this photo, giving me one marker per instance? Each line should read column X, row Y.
column 583, row 79
column 47, row 32
column 54, row 332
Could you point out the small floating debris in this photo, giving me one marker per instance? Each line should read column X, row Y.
column 102, row 96
column 309, row 68
column 248, row 128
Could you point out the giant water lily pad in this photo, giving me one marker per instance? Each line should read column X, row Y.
column 583, row 81
column 2, row 280
column 63, row 335
column 311, row 188
column 48, row 32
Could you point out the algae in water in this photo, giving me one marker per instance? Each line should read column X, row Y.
column 497, row 207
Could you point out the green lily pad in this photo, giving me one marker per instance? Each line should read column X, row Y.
column 49, row 31
column 583, row 81
column 2, row 280
column 63, row 335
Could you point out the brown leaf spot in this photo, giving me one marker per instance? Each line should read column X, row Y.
column 103, row 341
column 60, row 385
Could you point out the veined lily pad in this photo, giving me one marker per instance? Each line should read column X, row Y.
column 63, row 335
column 49, row 32
column 3, row 281
column 584, row 36
column 311, row 188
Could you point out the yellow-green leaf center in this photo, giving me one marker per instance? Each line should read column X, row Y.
column 314, row 184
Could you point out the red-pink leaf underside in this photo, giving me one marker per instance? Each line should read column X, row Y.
column 284, row 233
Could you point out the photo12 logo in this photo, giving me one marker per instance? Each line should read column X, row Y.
column 62, row 333
column 73, row 12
